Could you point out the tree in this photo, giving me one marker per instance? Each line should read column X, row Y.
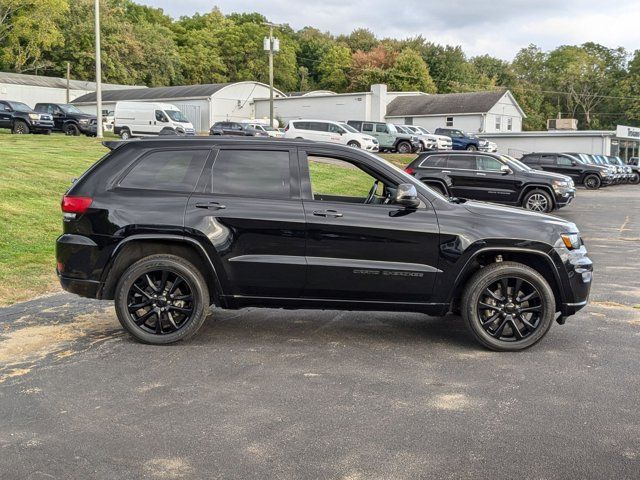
column 27, row 29
column 449, row 68
column 313, row 46
column 334, row 67
column 368, row 68
column 410, row 72
column 360, row 39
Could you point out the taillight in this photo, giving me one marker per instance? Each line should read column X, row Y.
column 410, row 170
column 286, row 127
column 71, row 204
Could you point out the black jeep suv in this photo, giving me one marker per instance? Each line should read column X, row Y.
column 236, row 129
column 572, row 165
column 492, row 178
column 69, row 119
column 168, row 226
column 22, row 119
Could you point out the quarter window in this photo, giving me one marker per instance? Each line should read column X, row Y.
column 169, row 170
column 434, row 161
column 252, row 173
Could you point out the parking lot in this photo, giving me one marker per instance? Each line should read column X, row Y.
column 324, row 394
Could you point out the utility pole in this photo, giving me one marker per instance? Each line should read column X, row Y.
column 272, row 45
column 68, row 80
column 98, row 73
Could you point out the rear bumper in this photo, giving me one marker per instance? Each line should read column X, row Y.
column 79, row 264
column 84, row 288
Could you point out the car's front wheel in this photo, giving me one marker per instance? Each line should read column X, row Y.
column 162, row 299
column 353, row 144
column 635, row 179
column 404, row 147
column 508, row 306
column 538, row 201
column 592, row 182
column 20, row 127
column 71, row 129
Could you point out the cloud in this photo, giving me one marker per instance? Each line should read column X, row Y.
column 499, row 27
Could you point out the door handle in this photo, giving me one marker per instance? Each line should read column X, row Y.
column 481, row 174
column 211, row 205
column 327, row 213
column 446, row 171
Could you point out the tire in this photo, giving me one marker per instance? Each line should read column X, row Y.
column 125, row 134
column 71, row 129
column 471, row 148
column 192, row 289
column 20, row 127
column 46, row 132
column 489, row 326
column 538, row 201
column 635, row 179
column 404, row 147
column 592, row 182
column 353, row 144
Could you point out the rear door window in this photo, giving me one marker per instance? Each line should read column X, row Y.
column 252, row 173
column 466, row 162
column 547, row 159
column 167, row 170
column 367, row 127
column 319, row 126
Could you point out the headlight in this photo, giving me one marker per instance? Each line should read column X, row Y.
column 605, row 173
column 571, row 240
column 34, row 116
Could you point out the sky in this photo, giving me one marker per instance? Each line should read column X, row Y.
column 498, row 27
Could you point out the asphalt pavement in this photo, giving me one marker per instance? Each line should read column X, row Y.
column 332, row 395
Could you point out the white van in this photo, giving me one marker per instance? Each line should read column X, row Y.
column 333, row 132
column 142, row 119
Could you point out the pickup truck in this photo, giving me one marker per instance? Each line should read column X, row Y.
column 461, row 140
column 22, row 119
column 69, row 119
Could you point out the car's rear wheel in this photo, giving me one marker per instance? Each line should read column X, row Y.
column 353, row 144
column 635, row 179
column 472, row 148
column 20, row 127
column 71, row 129
column 592, row 182
column 404, row 147
column 162, row 299
column 538, row 201
column 508, row 306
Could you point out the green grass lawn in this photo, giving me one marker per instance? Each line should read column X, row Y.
column 36, row 170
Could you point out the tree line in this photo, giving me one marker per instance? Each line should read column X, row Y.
column 141, row 45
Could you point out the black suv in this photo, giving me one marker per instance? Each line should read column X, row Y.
column 167, row 227
column 492, row 178
column 571, row 165
column 236, row 129
column 22, row 119
column 69, row 119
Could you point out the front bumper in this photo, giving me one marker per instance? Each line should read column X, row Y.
column 565, row 197
column 90, row 129
column 41, row 125
column 578, row 268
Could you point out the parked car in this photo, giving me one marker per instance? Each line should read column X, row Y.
column 492, row 178
column 108, row 117
column 69, row 119
column 388, row 136
column 623, row 169
column 442, row 142
column 426, row 142
column 142, row 119
column 270, row 131
column 254, row 225
column 236, row 129
column 635, row 169
column 329, row 131
column 571, row 165
column 460, row 140
column 488, row 146
column 20, row 118
column 590, row 159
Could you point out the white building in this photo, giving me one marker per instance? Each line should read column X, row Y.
column 327, row 105
column 477, row 112
column 32, row 89
column 203, row 105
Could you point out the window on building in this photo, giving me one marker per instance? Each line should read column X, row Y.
column 252, row 173
column 408, row 121
column 498, row 123
column 169, row 170
column 449, row 122
column 509, row 123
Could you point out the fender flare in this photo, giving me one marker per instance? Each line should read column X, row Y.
column 217, row 293
column 467, row 266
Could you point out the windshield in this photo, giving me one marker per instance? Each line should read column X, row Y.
column 515, row 164
column 70, row 109
column 423, row 130
column 348, row 128
column 20, row 107
column 177, row 116
column 470, row 135
column 586, row 159
column 402, row 129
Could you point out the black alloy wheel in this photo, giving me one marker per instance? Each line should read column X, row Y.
column 635, row 179
column 20, row 128
column 508, row 306
column 160, row 302
column 161, row 299
column 592, row 182
column 404, row 147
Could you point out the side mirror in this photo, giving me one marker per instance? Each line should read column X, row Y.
column 407, row 195
column 505, row 170
column 574, row 163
